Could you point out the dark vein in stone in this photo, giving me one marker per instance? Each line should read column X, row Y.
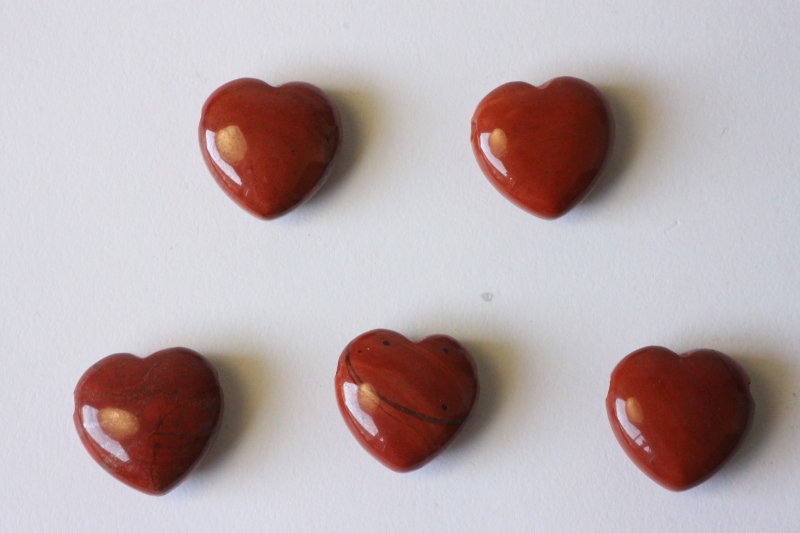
column 425, row 418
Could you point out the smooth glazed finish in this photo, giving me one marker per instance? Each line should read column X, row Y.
column 403, row 401
column 149, row 421
column 543, row 147
column 679, row 417
column 269, row 148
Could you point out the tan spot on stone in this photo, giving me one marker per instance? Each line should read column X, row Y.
column 634, row 411
column 231, row 144
column 367, row 397
column 498, row 142
column 117, row 423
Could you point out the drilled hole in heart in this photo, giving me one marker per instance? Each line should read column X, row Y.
column 386, row 343
column 445, row 350
column 444, row 407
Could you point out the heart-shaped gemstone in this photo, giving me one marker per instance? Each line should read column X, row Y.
column 403, row 401
column 679, row 417
column 149, row 421
column 543, row 147
column 269, row 148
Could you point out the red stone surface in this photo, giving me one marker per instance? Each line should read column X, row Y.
column 543, row 147
column 679, row 417
column 149, row 421
column 403, row 401
column 269, row 148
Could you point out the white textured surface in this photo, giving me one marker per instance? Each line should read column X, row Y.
column 116, row 238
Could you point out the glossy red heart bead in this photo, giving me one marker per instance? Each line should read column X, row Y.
column 543, row 147
column 269, row 148
column 679, row 417
column 403, row 401
column 149, row 421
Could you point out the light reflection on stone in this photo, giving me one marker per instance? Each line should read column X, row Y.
column 627, row 424
column 94, row 429
column 351, row 397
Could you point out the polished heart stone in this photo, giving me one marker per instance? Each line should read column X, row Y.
column 405, row 402
column 149, row 421
column 269, row 148
column 679, row 417
column 543, row 147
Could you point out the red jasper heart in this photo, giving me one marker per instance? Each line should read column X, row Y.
column 543, row 147
column 405, row 402
column 679, row 417
column 149, row 421
column 269, row 148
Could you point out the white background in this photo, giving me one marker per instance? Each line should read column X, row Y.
column 115, row 238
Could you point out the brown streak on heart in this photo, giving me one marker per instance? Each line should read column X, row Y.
column 439, row 421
